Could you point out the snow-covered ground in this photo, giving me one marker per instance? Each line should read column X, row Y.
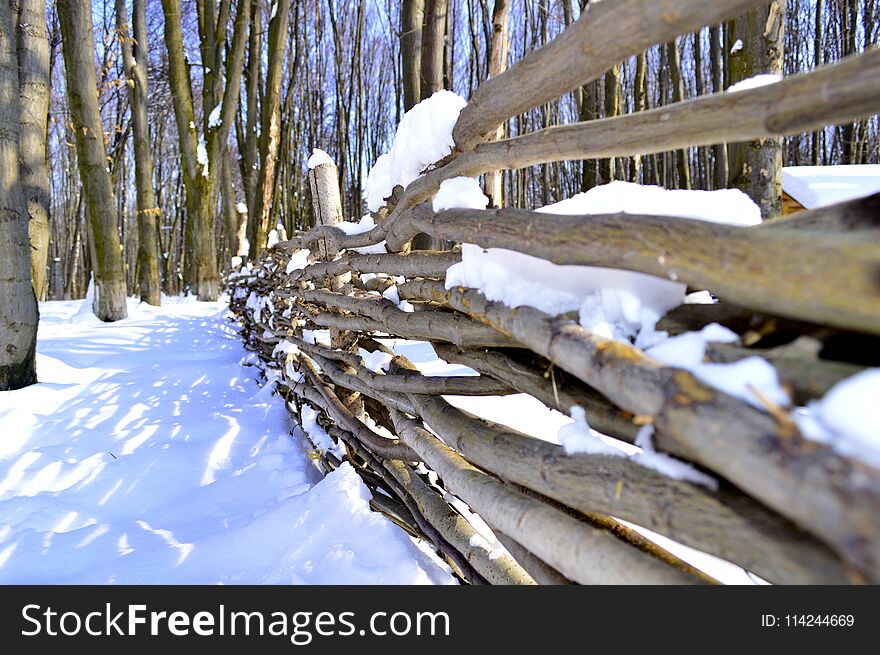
column 148, row 454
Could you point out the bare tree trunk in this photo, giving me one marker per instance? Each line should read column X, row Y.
column 719, row 151
column 75, row 18
column 607, row 167
column 34, row 91
column 756, row 167
column 849, row 13
column 702, row 169
column 817, row 61
column 498, row 51
column 134, row 54
column 674, row 59
column 640, row 103
column 201, row 158
column 200, row 273
column 250, row 174
column 433, row 35
column 271, row 129
column 231, row 215
column 432, row 46
column 18, row 321
column 412, row 16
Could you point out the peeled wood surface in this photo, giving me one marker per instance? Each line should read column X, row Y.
column 835, row 497
column 607, row 33
column 825, row 278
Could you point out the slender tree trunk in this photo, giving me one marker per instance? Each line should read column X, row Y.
column 498, row 51
column 607, row 167
column 817, row 62
column 271, row 129
column 231, row 215
column 250, row 173
column 640, row 103
column 702, row 170
column 719, row 151
column 432, row 47
column 674, row 59
column 756, row 167
column 412, row 16
column 18, row 320
column 849, row 12
column 34, row 92
column 75, row 18
column 134, row 54
column 200, row 274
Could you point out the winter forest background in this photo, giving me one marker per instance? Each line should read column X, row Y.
column 344, row 84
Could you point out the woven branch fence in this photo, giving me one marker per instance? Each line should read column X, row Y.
column 787, row 509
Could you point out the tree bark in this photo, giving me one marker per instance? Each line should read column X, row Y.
column 498, row 51
column 817, row 61
column 200, row 271
column 608, row 167
column 75, row 18
column 134, row 53
column 433, row 35
column 756, row 167
column 18, row 321
column 719, row 150
column 270, row 135
column 412, row 16
column 34, row 92
column 681, row 156
column 250, row 172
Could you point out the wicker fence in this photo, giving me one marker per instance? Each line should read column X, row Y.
column 788, row 509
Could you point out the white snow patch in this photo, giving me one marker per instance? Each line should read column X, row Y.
column 741, row 379
column 215, row 119
column 726, row 206
column 460, row 192
column 318, row 157
column 667, row 465
column 375, row 361
column 298, row 261
column 241, row 208
column 847, row 417
column 423, row 137
column 364, row 225
column 616, row 304
column 755, row 82
column 737, row 46
column 202, row 156
column 578, row 438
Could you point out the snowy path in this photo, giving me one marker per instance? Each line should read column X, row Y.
column 148, row 455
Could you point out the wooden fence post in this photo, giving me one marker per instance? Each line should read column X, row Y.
column 326, row 199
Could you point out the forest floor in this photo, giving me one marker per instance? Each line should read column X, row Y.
column 148, row 454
